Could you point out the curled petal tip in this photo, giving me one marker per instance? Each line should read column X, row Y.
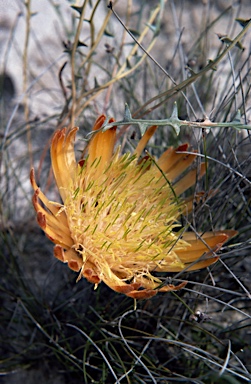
column 73, row 265
column 32, row 175
column 126, row 288
column 59, row 252
column 230, row 233
column 41, row 220
column 89, row 274
column 143, row 294
column 182, row 148
column 171, row 287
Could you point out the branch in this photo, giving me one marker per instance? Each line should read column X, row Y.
column 173, row 121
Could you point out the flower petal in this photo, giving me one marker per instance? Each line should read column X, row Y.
column 70, row 256
column 55, row 235
column 119, row 214
column 54, row 208
column 52, row 224
column 189, row 179
column 102, row 144
column 200, row 252
column 144, row 140
column 170, row 157
column 63, row 159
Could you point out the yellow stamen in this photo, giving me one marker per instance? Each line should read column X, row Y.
column 119, row 219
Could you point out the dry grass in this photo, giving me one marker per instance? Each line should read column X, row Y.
column 57, row 331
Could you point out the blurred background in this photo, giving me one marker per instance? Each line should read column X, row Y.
column 62, row 63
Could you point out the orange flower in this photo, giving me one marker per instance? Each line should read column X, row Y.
column 116, row 223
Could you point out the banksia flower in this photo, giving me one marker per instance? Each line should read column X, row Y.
column 119, row 218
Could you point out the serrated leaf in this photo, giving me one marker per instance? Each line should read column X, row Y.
column 76, row 8
column 237, row 118
column 174, row 120
column 226, row 40
column 143, row 128
column 134, row 32
column 96, row 84
column 210, row 62
column 152, row 27
column 243, row 22
column 105, row 125
column 127, row 113
column 107, row 33
column 190, row 70
column 174, row 114
column 81, row 44
column 176, row 127
column 78, row 76
column 128, row 65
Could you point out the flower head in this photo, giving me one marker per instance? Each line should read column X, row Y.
column 118, row 213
